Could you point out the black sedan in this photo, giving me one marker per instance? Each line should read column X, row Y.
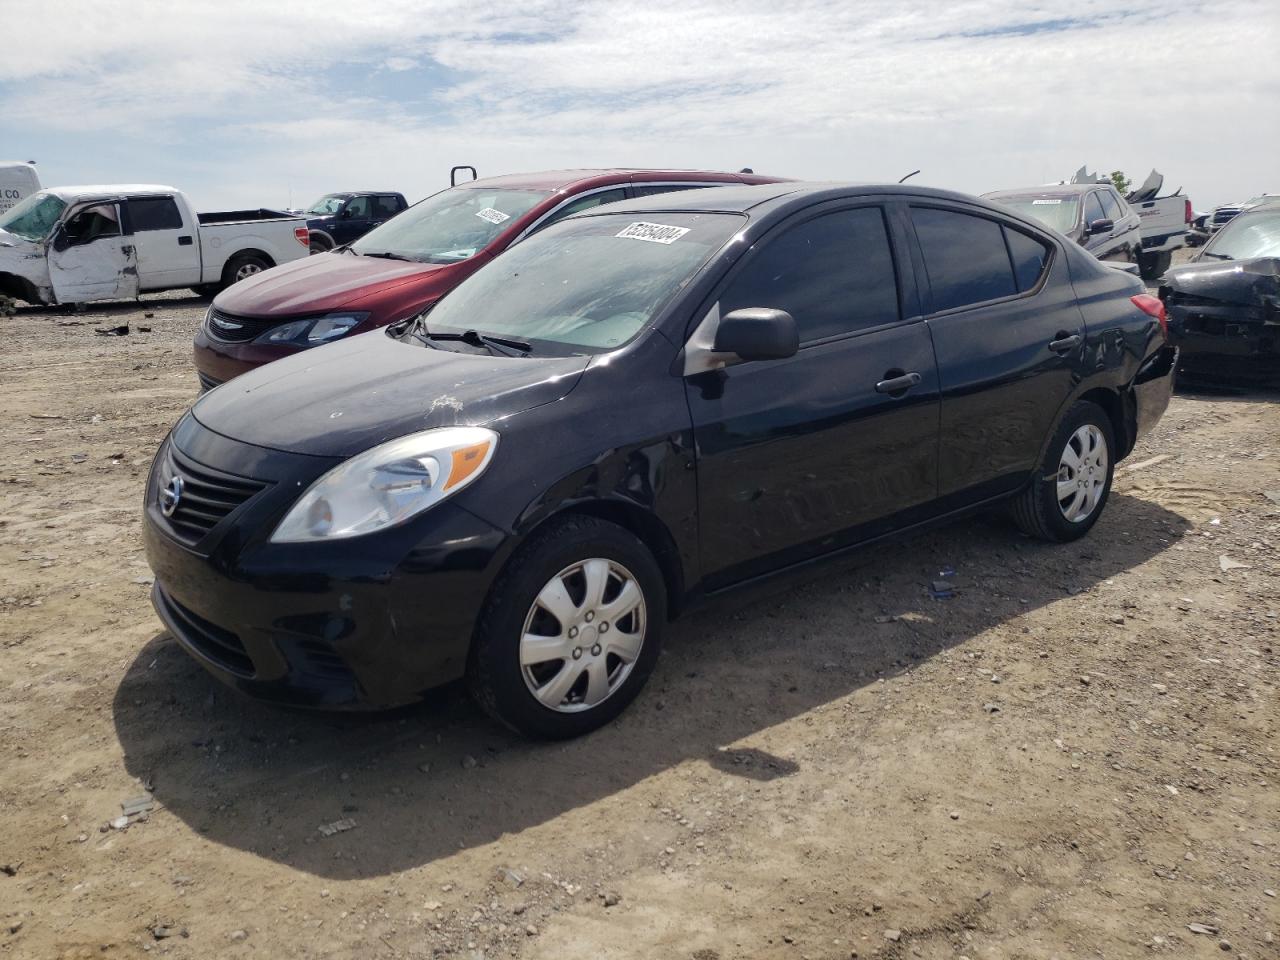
column 1094, row 215
column 631, row 411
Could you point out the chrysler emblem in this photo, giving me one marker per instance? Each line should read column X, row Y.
column 170, row 495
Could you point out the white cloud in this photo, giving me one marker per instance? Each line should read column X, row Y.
column 814, row 88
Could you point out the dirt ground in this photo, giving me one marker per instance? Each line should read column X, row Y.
column 1075, row 756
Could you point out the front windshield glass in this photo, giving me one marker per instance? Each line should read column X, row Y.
column 325, row 205
column 1057, row 213
column 1246, row 237
column 591, row 283
column 34, row 217
column 453, row 225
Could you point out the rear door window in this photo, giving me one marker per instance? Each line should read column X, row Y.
column 1029, row 257
column 154, row 213
column 649, row 189
column 386, row 206
column 965, row 257
column 834, row 274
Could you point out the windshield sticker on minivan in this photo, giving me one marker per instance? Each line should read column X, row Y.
column 652, row 232
column 1038, row 202
column 492, row 215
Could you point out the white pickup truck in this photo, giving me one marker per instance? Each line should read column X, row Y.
column 1165, row 222
column 74, row 244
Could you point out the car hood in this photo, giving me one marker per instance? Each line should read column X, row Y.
column 1247, row 282
column 325, row 281
column 343, row 398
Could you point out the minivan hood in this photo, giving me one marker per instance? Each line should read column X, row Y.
column 345, row 397
column 324, row 281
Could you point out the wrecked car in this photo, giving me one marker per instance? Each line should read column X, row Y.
column 76, row 244
column 644, row 405
column 1224, row 306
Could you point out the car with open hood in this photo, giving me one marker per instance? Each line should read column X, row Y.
column 402, row 267
column 636, row 409
column 1224, row 306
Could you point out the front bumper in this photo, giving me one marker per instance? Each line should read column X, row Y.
column 374, row 621
column 1225, row 341
column 217, row 362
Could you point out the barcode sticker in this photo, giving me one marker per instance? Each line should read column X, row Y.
column 652, row 232
column 492, row 215
column 1038, row 202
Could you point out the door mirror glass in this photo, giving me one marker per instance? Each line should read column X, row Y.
column 1100, row 226
column 758, row 333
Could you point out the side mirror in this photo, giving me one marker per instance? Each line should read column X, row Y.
column 58, row 240
column 757, row 333
column 1100, row 226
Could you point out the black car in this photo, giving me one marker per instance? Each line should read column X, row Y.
column 635, row 409
column 1094, row 215
column 339, row 218
column 1224, row 306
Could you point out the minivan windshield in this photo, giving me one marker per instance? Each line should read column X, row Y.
column 326, row 205
column 588, row 283
column 1057, row 213
column 34, row 217
column 1247, row 237
column 453, row 225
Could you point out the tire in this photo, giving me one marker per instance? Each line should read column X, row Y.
column 241, row 267
column 1154, row 265
column 1038, row 510
column 207, row 290
column 319, row 244
column 571, row 553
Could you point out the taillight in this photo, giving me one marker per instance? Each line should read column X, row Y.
column 1189, row 214
column 1153, row 307
column 302, row 235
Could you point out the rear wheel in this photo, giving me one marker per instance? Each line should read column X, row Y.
column 242, row 267
column 319, row 244
column 1070, row 488
column 1154, row 265
column 571, row 630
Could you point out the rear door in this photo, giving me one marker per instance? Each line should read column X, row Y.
column 167, row 252
column 1009, row 339
column 91, row 258
column 385, row 206
column 801, row 456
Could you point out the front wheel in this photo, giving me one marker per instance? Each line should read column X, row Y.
column 571, row 630
column 1070, row 488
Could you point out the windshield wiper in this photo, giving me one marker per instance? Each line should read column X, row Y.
column 1217, row 256
column 387, row 255
column 504, row 345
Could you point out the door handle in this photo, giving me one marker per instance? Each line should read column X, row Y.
column 1065, row 344
column 900, row 383
column 184, row 241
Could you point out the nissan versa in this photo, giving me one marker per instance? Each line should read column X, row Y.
column 632, row 410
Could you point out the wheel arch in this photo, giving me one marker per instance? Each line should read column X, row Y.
column 1121, row 414
column 315, row 233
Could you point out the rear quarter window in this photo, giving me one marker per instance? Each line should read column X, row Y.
column 1029, row 256
column 965, row 257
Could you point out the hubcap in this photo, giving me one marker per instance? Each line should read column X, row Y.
column 1082, row 473
column 247, row 270
column 583, row 635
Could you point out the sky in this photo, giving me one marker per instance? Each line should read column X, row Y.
column 246, row 104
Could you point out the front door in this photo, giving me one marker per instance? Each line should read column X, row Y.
column 167, row 249
column 355, row 220
column 801, row 456
column 91, row 259
column 1010, row 344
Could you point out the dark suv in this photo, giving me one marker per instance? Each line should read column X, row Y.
column 1094, row 215
column 338, row 218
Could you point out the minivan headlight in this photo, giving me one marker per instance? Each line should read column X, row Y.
column 313, row 331
column 388, row 484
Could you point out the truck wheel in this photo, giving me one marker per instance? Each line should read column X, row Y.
column 571, row 630
column 242, row 267
column 1070, row 488
column 319, row 244
column 1154, row 265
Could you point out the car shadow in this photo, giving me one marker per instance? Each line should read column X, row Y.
column 102, row 309
column 424, row 782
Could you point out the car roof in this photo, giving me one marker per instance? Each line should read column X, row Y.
column 89, row 191
column 741, row 199
column 563, row 180
column 1049, row 190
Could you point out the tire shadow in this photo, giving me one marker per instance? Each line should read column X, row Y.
column 424, row 782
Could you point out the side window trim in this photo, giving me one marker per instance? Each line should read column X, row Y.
column 927, row 290
column 884, row 203
column 537, row 224
column 1049, row 260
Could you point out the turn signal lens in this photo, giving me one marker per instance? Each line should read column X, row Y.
column 1153, row 307
column 466, row 462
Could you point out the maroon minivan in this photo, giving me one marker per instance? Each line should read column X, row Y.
column 399, row 269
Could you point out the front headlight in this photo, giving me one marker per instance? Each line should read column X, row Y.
column 313, row 331
column 388, row 484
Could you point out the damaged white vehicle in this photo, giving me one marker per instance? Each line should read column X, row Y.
column 75, row 244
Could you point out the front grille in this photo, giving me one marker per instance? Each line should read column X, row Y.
column 218, row 644
column 232, row 328
column 208, row 495
column 207, row 382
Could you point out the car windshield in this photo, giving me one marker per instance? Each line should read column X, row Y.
column 1057, row 213
column 453, row 225
column 34, row 217
column 589, row 283
column 1247, row 237
column 325, row 205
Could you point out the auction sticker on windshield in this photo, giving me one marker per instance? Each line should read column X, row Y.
column 652, row 232
column 492, row 215
column 1037, row 202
